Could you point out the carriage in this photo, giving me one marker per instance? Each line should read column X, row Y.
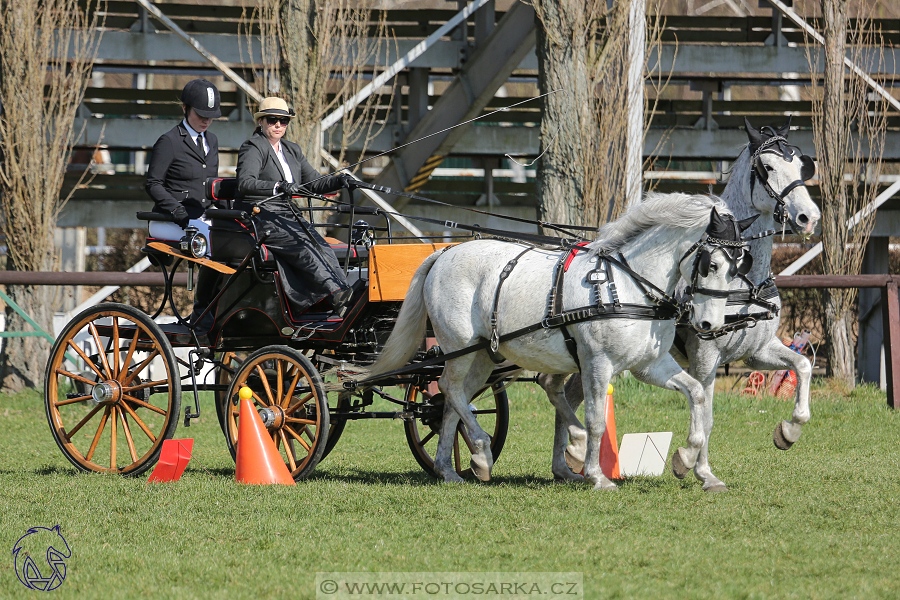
column 114, row 380
column 114, row 364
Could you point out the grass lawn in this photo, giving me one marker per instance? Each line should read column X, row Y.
column 818, row 521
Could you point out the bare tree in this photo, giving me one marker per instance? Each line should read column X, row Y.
column 40, row 91
column 314, row 54
column 583, row 49
column 849, row 127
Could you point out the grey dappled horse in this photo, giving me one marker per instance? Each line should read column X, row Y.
column 660, row 238
column 767, row 161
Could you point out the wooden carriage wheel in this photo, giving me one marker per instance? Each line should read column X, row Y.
column 286, row 382
column 112, row 390
column 491, row 408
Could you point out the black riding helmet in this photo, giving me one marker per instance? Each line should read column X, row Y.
column 203, row 97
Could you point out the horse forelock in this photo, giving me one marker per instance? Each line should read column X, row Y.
column 676, row 210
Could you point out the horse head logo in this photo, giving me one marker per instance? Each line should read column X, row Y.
column 40, row 558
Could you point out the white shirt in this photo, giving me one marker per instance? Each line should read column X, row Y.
column 288, row 176
column 194, row 135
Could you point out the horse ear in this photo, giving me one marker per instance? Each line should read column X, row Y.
column 743, row 224
column 786, row 128
column 752, row 134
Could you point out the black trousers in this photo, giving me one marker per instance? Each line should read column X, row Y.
column 309, row 269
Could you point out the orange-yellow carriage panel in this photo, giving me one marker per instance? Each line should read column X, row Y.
column 391, row 267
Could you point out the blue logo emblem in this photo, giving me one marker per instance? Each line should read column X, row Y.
column 40, row 558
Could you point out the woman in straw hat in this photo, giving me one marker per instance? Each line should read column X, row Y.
column 269, row 165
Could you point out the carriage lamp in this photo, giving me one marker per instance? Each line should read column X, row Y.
column 189, row 232
column 194, row 242
column 199, row 245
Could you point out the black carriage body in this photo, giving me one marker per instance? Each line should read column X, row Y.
column 255, row 342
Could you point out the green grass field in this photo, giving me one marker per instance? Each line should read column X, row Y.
column 818, row 521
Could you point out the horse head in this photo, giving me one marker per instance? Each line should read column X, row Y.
column 778, row 174
column 711, row 264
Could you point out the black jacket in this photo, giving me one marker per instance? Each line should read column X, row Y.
column 178, row 170
column 258, row 169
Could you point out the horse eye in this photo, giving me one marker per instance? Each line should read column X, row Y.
column 769, row 167
column 713, row 267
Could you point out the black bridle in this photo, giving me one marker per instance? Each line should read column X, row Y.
column 703, row 249
column 777, row 144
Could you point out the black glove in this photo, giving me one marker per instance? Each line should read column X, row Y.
column 181, row 217
column 291, row 189
column 348, row 181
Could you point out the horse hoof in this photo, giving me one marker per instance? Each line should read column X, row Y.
column 454, row 478
column 716, row 489
column 606, row 486
column 574, row 463
column 482, row 472
column 567, row 476
column 679, row 469
column 781, row 442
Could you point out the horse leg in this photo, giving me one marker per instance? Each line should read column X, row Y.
column 702, row 471
column 443, row 457
column 567, row 427
column 703, row 368
column 775, row 355
column 594, row 382
column 577, row 447
column 665, row 373
column 461, row 379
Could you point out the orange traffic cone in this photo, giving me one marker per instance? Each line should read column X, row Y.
column 609, row 449
column 258, row 460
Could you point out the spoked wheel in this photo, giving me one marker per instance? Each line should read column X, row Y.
column 490, row 406
column 112, row 390
column 284, row 381
column 336, row 427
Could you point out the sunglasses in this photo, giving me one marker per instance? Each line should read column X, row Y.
column 283, row 120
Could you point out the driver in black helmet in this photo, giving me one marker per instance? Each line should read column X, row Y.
column 182, row 159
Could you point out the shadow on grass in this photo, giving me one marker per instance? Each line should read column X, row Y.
column 45, row 470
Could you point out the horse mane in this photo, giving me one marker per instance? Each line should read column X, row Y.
column 736, row 193
column 677, row 210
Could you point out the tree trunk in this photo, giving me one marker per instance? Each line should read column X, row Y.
column 302, row 76
column 39, row 102
column 568, row 123
column 832, row 160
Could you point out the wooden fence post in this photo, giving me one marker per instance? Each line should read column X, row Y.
column 891, row 314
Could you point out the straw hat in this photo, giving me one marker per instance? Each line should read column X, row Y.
column 275, row 107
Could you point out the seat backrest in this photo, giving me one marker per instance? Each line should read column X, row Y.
column 221, row 190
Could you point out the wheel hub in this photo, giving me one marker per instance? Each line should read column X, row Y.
column 107, row 392
column 272, row 417
column 434, row 412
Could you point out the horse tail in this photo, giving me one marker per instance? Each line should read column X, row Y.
column 409, row 330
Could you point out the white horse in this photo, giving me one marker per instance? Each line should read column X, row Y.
column 459, row 290
column 766, row 162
